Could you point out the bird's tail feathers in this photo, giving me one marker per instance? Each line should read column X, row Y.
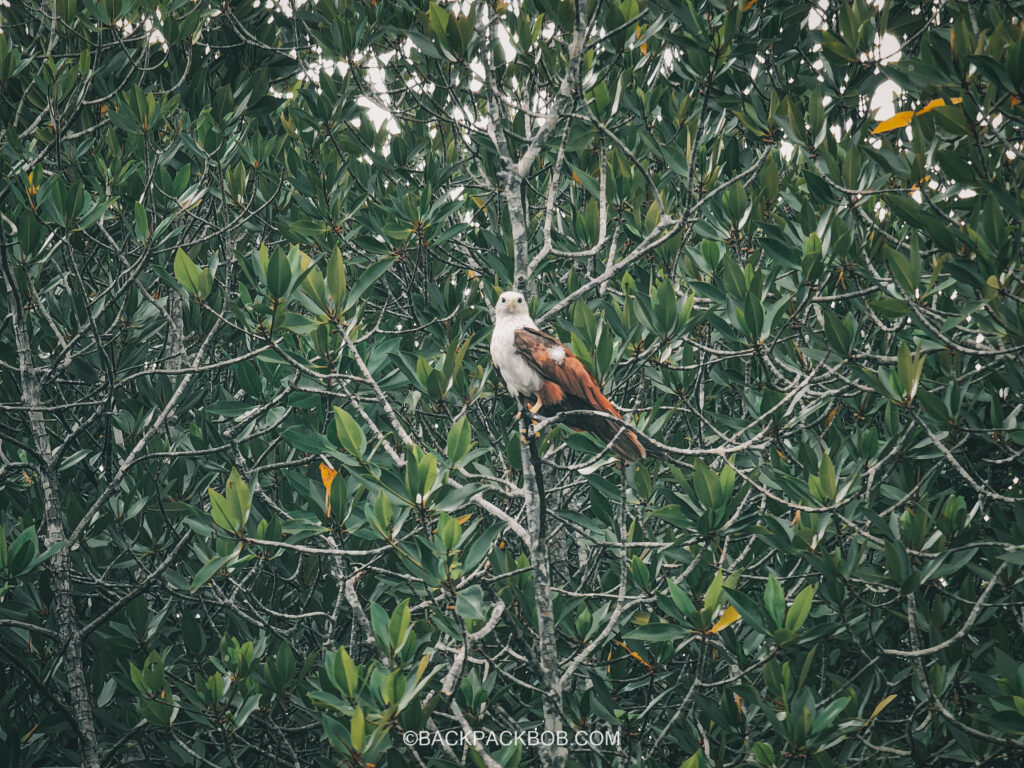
column 623, row 438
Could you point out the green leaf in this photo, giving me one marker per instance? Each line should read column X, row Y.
column 735, row 202
column 350, row 434
column 358, row 729
column 212, row 566
column 459, row 440
column 285, row 662
column 346, row 671
column 908, row 368
column 714, row 593
column 799, row 610
column 640, row 572
column 665, row 309
column 681, row 600
column 237, row 493
column 763, row 753
column 438, row 18
column 907, row 270
column 827, row 478
column 370, row 276
column 705, row 483
column 838, row 336
column 141, row 222
column 925, row 221
column 469, row 603
column 250, row 705
column 24, row 550
column 337, row 734
column 186, row 272
column 336, row 283
column 306, row 440
column 225, row 514
column 651, row 218
column 279, row 274
column 657, row 633
column 774, row 600
column 827, row 716
column 398, row 627
column 106, row 693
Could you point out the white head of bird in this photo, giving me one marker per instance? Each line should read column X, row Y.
column 511, row 304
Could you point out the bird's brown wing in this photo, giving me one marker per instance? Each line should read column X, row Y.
column 568, row 386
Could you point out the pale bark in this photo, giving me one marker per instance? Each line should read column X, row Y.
column 547, row 647
column 512, row 178
column 68, row 630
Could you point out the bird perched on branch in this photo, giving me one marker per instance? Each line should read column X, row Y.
column 550, row 380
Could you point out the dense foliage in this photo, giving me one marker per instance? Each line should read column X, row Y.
column 264, row 501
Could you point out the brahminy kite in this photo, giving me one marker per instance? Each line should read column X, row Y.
column 537, row 367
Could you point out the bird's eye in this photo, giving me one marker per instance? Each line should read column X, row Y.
column 519, row 300
column 503, row 301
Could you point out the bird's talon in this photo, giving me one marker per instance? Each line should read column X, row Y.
column 536, row 406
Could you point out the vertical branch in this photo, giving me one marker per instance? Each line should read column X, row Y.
column 509, row 177
column 512, row 179
column 69, row 633
column 512, row 176
column 535, row 465
column 178, row 356
column 547, row 648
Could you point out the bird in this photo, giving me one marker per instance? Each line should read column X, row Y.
column 540, row 372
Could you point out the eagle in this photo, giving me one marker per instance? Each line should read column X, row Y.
column 540, row 371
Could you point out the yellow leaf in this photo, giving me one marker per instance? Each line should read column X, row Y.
column 902, row 119
column 463, row 519
column 749, row 4
column 937, row 103
column 634, row 654
column 880, row 706
column 422, row 666
column 925, row 180
column 831, row 416
column 327, row 476
column 899, row 120
column 729, row 616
